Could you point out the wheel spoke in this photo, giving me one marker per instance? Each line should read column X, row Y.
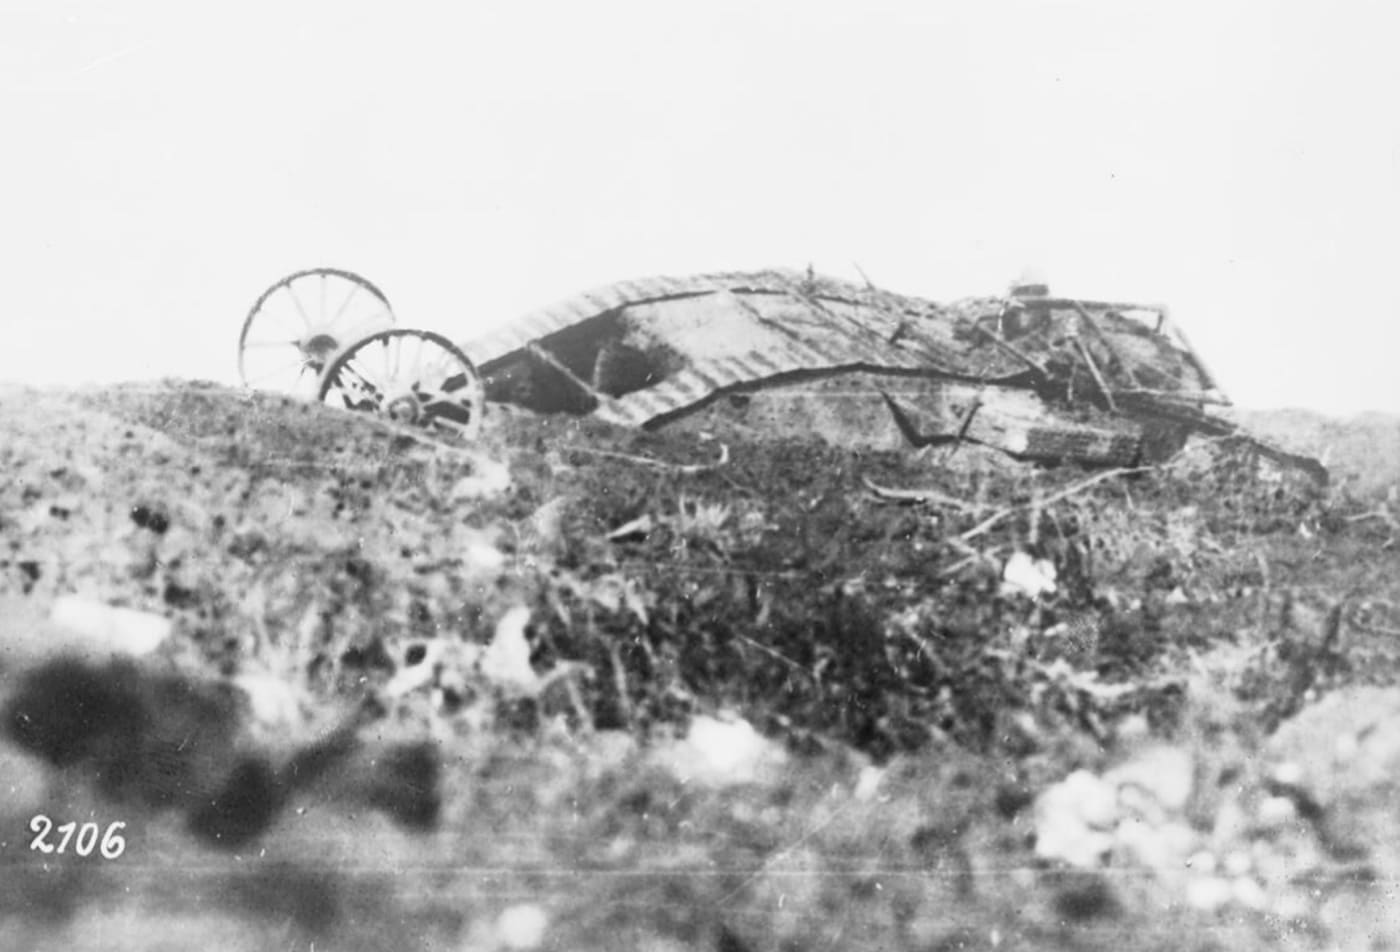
column 356, row 387
column 291, row 292
column 354, row 289
column 419, row 370
column 265, row 343
column 377, row 372
column 438, row 364
column 398, row 360
column 456, row 426
column 356, row 369
column 386, row 361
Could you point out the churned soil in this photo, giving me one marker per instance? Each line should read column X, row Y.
column 417, row 694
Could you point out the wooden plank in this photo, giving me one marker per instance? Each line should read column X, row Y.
column 1024, row 358
column 1094, row 372
column 1191, row 352
column 1088, row 319
column 1191, row 396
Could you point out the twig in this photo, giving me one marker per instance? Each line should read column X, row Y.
column 659, row 464
column 960, row 564
column 928, row 653
column 416, row 434
column 778, row 655
column 1265, row 584
column 920, row 495
column 1381, row 514
column 1078, row 487
column 953, row 542
column 624, row 700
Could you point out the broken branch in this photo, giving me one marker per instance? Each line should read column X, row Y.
column 921, row 495
column 683, row 468
column 1063, row 494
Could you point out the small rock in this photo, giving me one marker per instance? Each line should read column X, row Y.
column 274, row 704
column 1247, row 892
column 488, row 478
column 1238, row 863
column 1202, row 862
column 506, row 660
column 101, row 627
column 153, row 517
column 522, row 926
column 1074, row 820
column 481, row 556
column 719, row 753
column 1275, row 812
column 867, row 783
column 1166, row 773
column 1208, row 893
column 1092, row 799
column 1027, row 576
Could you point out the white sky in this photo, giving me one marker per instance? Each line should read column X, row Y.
column 162, row 164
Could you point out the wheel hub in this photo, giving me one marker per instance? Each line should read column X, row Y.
column 404, row 409
column 319, row 347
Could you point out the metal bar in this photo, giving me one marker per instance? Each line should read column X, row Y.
column 1093, row 305
column 1087, row 318
column 1013, row 351
column 1197, row 396
column 1094, row 371
column 1185, row 341
column 545, row 357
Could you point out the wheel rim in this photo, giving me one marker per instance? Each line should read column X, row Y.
column 301, row 322
column 410, row 376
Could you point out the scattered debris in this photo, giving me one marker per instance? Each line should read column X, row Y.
column 633, row 528
column 921, row 495
column 684, row 469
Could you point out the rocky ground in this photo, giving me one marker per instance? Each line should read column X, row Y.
column 298, row 678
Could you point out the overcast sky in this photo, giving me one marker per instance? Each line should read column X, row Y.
column 163, row 164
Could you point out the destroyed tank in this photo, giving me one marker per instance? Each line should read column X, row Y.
column 1036, row 376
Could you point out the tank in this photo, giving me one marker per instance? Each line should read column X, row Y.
column 1035, row 376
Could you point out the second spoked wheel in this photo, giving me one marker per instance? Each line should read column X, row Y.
column 410, row 376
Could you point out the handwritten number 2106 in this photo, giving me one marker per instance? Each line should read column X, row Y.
column 112, row 845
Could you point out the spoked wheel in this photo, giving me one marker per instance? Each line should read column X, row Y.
column 410, row 376
column 299, row 324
